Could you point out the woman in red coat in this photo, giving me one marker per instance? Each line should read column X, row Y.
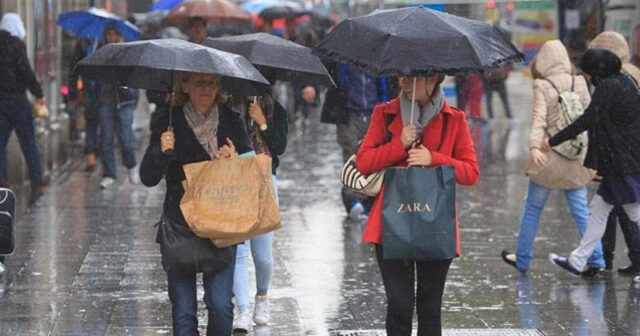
column 444, row 139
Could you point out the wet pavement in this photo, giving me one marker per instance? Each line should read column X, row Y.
column 86, row 263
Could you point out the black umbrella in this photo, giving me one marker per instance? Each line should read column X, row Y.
column 417, row 40
column 289, row 60
column 153, row 65
column 285, row 11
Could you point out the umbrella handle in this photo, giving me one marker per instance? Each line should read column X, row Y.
column 255, row 101
column 169, row 152
column 413, row 100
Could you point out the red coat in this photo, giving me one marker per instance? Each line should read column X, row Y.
column 374, row 155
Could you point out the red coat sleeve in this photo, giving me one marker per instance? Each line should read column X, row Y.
column 375, row 155
column 464, row 156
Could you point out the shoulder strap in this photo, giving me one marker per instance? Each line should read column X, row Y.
column 555, row 87
column 572, row 82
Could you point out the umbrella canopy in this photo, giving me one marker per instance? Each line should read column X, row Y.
column 90, row 24
column 164, row 5
column 152, row 64
column 286, row 10
column 417, row 40
column 214, row 11
column 289, row 60
column 257, row 6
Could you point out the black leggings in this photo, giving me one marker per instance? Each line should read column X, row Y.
column 399, row 284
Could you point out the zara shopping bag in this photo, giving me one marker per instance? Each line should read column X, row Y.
column 418, row 213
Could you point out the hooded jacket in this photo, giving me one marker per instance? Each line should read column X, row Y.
column 616, row 43
column 15, row 70
column 552, row 64
column 612, row 119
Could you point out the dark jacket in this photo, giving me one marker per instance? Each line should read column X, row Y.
column 15, row 70
column 612, row 120
column 276, row 134
column 356, row 92
column 157, row 165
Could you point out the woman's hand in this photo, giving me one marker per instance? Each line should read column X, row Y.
column 419, row 156
column 538, row 157
column 545, row 145
column 255, row 112
column 227, row 151
column 409, row 135
column 167, row 140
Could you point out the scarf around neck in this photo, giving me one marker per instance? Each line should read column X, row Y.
column 422, row 116
column 204, row 127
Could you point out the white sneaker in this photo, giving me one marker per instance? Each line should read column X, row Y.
column 134, row 175
column 261, row 310
column 636, row 279
column 356, row 210
column 106, row 182
column 242, row 321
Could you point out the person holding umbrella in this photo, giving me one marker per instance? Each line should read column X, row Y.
column 197, row 29
column 115, row 114
column 267, row 125
column 416, row 129
column 203, row 129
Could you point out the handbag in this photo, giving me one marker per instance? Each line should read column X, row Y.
column 7, row 225
column 40, row 110
column 185, row 253
column 418, row 213
column 353, row 179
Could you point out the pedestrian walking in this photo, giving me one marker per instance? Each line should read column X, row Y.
column 197, row 29
column 616, row 43
column 15, row 109
column 612, row 125
column 445, row 139
column 203, row 129
column 305, row 94
column 267, row 125
column 362, row 92
column 115, row 114
column 551, row 69
column 494, row 81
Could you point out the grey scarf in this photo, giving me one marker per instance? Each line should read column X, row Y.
column 421, row 116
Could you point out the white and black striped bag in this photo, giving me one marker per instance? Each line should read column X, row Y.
column 352, row 178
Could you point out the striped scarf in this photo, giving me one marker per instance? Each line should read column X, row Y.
column 204, row 127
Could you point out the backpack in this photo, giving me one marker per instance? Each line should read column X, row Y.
column 570, row 109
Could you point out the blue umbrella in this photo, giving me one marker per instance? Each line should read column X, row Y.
column 90, row 24
column 164, row 4
column 257, row 6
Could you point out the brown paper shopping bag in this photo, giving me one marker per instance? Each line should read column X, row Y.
column 269, row 217
column 222, row 197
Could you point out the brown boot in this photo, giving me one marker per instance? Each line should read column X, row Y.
column 90, row 162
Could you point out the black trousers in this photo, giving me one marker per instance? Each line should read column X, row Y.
column 500, row 87
column 400, row 286
column 630, row 232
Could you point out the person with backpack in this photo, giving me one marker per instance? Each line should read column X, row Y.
column 557, row 96
column 612, row 122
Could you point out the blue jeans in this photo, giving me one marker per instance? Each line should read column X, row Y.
column 16, row 114
column 218, row 292
column 117, row 121
column 536, row 198
column 91, row 137
column 261, row 250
